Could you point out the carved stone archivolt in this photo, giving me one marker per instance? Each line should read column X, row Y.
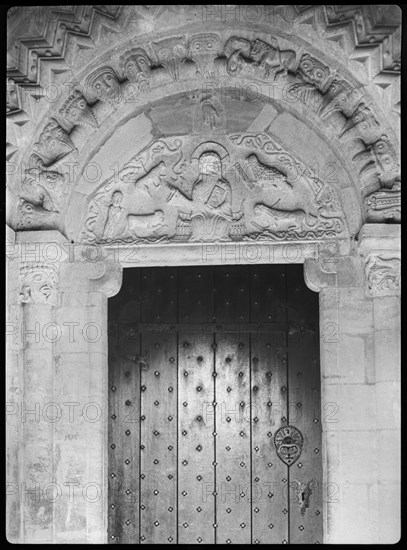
column 344, row 107
column 241, row 187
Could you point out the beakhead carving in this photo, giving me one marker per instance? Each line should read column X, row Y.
column 77, row 112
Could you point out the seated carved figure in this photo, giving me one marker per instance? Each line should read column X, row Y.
column 212, row 200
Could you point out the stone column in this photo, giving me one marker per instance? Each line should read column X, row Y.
column 33, row 272
column 380, row 249
column 354, row 438
column 57, row 480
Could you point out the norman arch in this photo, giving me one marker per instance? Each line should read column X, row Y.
column 170, row 136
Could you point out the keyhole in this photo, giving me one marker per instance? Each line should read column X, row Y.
column 303, row 496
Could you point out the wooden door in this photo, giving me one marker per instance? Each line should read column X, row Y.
column 214, row 407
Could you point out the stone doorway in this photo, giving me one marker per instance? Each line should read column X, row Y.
column 214, row 407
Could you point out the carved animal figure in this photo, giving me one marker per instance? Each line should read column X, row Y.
column 271, row 58
column 257, row 53
column 44, row 188
column 274, row 190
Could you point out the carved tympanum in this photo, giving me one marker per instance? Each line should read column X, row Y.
column 168, row 194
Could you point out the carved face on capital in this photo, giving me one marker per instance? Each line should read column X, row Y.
column 38, row 284
column 104, row 85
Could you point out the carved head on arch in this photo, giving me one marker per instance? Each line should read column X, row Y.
column 136, row 66
column 104, row 85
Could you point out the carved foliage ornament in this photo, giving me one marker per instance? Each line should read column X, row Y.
column 288, row 441
column 383, row 273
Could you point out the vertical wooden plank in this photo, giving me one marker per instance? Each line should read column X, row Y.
column 124, row 413
column 158, row 436
column 159, row 296
column 158, row 421
column 196, row 477
column 231, row 294
column 233, row 441
column 304, row 394
column 268, row 406
column 196, row 472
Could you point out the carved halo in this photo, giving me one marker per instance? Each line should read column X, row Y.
column 210, row 146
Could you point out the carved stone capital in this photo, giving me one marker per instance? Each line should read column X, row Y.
column 379, row 246
column 39, row 254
